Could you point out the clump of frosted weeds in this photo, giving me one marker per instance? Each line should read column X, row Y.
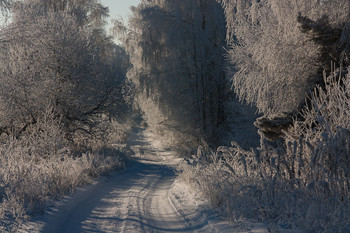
column 302, row 183
column 39, row 166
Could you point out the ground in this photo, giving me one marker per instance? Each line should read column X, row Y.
column 146, row 197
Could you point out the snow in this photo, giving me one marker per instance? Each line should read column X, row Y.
column 146, row 197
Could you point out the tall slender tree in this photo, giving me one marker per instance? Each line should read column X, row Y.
column 176, row 49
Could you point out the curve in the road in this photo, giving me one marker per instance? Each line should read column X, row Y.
column 134, row 200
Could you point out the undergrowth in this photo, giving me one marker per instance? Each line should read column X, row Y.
column 40, row 166
column 301, row 182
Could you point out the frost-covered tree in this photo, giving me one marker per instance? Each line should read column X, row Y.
column 5, row 4
column 85, row 12
column 176, row 49
column 279, row 49
column 90, row 14
column 52, row 58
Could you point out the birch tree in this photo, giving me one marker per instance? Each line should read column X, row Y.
column 176, row 49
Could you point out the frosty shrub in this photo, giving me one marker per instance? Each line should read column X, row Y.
column 303, row 183
column 39, row 167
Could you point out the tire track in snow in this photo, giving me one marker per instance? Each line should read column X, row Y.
column 134, row 200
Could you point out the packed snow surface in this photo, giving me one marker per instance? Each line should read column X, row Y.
column 146, row 197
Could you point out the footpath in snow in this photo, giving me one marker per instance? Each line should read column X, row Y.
column 146, row 197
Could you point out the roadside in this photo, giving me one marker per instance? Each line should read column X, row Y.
column 146, row 197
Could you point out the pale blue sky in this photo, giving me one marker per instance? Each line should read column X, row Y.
column 119, row 8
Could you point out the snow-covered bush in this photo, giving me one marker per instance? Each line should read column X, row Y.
column 302, row 183
column 39, row 167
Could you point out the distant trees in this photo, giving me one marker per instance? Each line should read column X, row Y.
column 176, row 49
column 279, row 49
column 55, row 53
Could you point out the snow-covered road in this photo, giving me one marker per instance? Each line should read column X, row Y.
column 146, row 197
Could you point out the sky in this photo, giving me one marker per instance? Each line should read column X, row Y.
column 119, row 8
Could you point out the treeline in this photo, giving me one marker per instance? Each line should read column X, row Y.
column 290, row 59
column 64, row 100
column 190, row 67
column 176, row 50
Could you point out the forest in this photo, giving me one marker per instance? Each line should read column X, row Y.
column 254, row 95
